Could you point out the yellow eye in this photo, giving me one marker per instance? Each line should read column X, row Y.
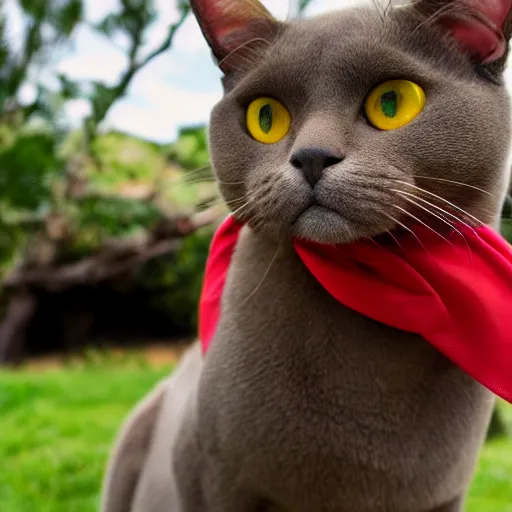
column 394, row 104
column 268, row 121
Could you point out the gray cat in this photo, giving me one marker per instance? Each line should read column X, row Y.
column 303, row 405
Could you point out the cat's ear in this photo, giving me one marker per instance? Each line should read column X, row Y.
column 482, row 27
column 234, row 28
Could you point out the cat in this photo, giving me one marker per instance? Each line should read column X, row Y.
column 301, row 404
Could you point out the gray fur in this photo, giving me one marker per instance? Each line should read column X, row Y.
column 130, row 452
column 139, row 477
column 304, row 405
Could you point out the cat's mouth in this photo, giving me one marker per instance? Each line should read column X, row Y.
column 322, row 224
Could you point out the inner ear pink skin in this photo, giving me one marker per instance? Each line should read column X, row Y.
column 227, row 24
column 495, row 10
column 485, row 43
column 481, row 34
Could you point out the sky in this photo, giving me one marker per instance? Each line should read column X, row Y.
column 176, row 89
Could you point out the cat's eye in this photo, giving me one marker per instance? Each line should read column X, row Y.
column 268, row 121
column 394, row 104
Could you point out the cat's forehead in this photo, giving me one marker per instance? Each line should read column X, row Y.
column 359, row 45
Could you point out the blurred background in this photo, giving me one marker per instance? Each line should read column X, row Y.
column 107, row 208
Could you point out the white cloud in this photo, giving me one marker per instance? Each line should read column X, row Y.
column 178, row 88
column 321, row 6
column 76, row 111
column 15, row 27
column 189, row 38
column 279, row 8
column 27, row 94
column 160, row 120
column 93, row 57
column 96, row 10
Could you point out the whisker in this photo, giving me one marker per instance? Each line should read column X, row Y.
column 222, row 182
column 403, row 210
column 445, row 221
column 441, row 199
column 208, row 179
column 395, row 239
column 402, row 225
column 437, row 216
column 195, row 181
column 241, row 47
column 458, row 219
column 433, row 17
column 377, row 8
column 238, row 210
column 455, row 183
column 197, row 171
column 229, row 201
column 263, row 278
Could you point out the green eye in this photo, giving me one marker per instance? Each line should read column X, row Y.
column 394, row 104
column 267, row 120
column 389, row 104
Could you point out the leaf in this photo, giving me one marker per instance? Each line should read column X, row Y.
column 109, row 24
column 65, row 18
column 69, row 88
column 27, row 168
column 117, row 216
column 36, row 9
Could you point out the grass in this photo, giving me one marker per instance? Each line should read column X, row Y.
column 56, row 431
column 57, row 427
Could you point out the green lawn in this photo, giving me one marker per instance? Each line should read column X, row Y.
column 56, row 430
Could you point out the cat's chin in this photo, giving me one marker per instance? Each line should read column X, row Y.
column 325, row 226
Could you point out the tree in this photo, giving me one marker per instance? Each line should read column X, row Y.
column 63, row 222
column 50, row 24
column 132, row 21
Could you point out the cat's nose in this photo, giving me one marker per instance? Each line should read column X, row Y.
column 313, row 161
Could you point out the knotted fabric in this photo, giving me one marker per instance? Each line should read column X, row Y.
column 454, row 290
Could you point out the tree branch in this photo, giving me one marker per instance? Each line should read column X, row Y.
column 116, row 258
column 166, row 44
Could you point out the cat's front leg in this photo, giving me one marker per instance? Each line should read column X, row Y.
column 454, row 506
column 187, row 466
column 203, row 485
column 223, row 494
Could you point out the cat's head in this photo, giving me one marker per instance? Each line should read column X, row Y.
column 351, row 124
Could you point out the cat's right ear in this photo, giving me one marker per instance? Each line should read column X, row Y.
column 482, row 27
column 235, row 30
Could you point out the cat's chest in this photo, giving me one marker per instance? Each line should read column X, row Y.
column 294, row 379
column 281, row 329
column 275, row 311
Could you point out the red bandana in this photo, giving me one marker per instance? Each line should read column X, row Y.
column 456, row 293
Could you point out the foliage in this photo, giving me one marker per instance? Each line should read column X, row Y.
column 49, row 25
column 176, row 282
column 125, row 160
column 106, row 210
column 506, row 221
column 29, row 164
column 95, row 187
column 57, row 459
column 132, row 22
column 191, row 149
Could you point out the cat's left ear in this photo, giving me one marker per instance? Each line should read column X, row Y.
column 234, row 29
column 482, row 27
